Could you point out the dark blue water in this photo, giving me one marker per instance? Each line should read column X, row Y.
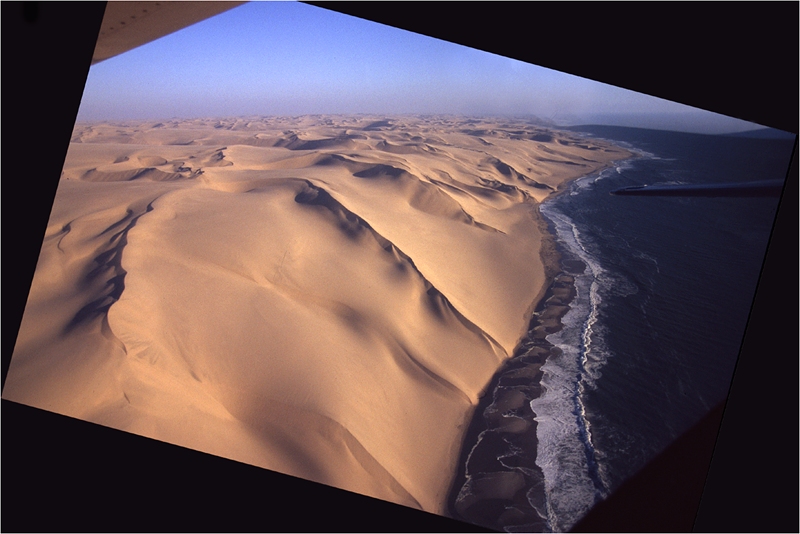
column 664, row 291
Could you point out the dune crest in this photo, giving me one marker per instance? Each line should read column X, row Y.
column 323, row 296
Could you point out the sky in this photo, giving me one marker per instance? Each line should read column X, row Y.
column 287, row 58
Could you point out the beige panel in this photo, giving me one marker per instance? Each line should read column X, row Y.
column 127, row 25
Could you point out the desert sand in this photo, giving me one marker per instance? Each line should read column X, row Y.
column 324, row 296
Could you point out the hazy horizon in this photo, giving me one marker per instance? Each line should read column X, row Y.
column 291, row 59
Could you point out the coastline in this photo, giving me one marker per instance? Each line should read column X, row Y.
column 508, row 492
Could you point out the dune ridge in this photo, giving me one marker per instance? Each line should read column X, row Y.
column 324, row 296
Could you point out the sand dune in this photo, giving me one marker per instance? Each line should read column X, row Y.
column 322, row 296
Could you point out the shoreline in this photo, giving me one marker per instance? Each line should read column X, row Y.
column 486, row 490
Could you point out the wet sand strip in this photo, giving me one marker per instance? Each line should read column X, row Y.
column 499, row 485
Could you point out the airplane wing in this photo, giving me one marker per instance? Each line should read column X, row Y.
column 764, row 188
column 127, row 25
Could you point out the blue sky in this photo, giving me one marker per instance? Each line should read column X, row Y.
column 287, row 58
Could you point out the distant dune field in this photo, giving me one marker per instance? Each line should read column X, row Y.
column 322, row 296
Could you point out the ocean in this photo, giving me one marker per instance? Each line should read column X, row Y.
column 662, row 291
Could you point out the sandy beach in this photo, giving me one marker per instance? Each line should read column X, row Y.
column 323, row 296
